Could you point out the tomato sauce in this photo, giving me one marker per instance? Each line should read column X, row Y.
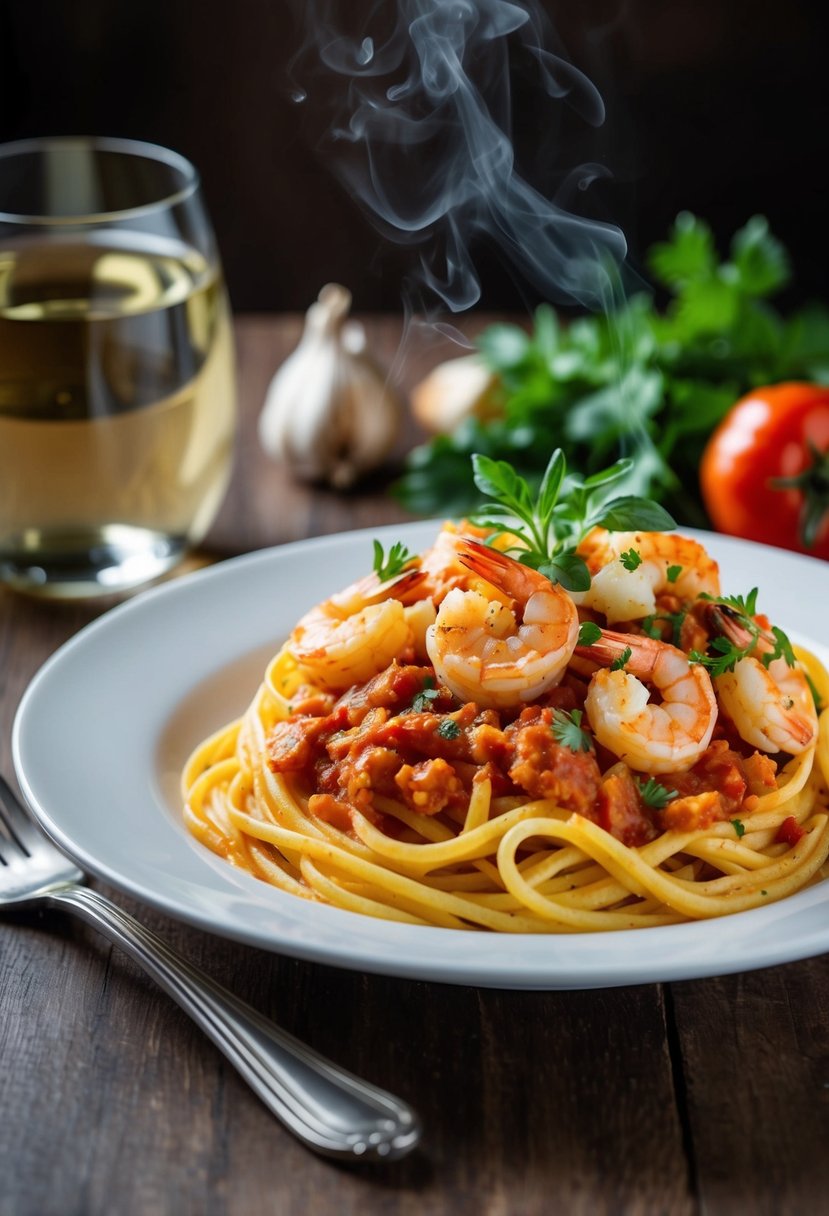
column 403, row 737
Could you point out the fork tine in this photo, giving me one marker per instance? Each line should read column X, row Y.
column 14, row 817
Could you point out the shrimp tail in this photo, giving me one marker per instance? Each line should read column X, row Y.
column 498, row 568
column 641, row 654
column 727, row 622
column 405, row 587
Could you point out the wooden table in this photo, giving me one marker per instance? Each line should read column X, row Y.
column 700, row 1097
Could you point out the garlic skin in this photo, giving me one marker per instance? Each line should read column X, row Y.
column 329, row 413
column 455, row 390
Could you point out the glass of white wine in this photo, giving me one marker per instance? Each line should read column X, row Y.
column 117, row 393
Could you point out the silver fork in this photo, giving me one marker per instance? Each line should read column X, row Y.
column 330, row 1110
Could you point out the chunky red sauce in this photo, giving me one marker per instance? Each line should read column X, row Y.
column 402, row 737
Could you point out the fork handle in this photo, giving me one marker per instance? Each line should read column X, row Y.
column 329, row 1109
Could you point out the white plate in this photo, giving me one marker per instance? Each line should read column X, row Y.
column 105, row 726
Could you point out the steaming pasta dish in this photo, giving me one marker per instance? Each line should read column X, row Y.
column 464, row 743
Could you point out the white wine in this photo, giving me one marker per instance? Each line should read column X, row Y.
column 117, row 407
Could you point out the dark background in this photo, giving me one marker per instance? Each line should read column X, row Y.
column 715, row 106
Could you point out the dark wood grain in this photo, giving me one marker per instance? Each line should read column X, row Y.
column 709, row 1097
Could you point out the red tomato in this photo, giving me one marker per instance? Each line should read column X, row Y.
column 772, row 435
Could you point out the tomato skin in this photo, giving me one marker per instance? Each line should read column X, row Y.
column 770, row 433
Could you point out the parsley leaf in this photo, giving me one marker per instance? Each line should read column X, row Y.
column 630, row 559
column 618, row 663
column 567, row 730
column 739, row 827
column 744, row 605
column 673, row 619
column 782, row 649
column 673, row 573
column 389, row 566
column 725, row 660
column 739, row 617
column 422, row 700
column 654, row 794
column 589, row 633
column 448, row 729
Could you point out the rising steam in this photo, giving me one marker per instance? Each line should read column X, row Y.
column 423, row 135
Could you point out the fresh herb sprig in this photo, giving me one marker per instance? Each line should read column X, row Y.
column 546, row 527
column 567, row 730
column 646, row 380
column 760, row 643
column 589, row 633
column 654, row 794
column 389, row 565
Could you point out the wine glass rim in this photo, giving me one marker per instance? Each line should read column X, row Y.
column 100, row 143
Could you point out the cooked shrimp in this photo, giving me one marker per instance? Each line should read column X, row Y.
column 358, row 632
column 629, row 595
column 500, row 656
column 442, row 565
column 665, row 737
column 771, row 707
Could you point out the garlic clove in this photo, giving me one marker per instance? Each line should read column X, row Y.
column 455, row 390
column 329, row 412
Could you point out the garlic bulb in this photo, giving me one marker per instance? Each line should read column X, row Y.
column 457, row 389
column 329, row 413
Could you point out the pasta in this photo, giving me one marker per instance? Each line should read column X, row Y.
column 461, row 743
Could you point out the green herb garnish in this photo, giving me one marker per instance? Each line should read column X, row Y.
column 567, row 730
column 673, row 619
column 618, row 663
column 673, row 573
column 728, row 653
column 448, row 729
column 654, row 794
column 389, row 565
column 422, row 701
column 739, row 827
column 727, row 656
column 589, row 633
column 549, row 525
column 630, row 559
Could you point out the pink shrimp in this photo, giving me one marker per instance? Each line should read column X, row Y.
column 650, row 736
column 498, row 655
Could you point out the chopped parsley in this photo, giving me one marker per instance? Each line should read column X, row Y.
column 618, row 664
column 654, row 793
column 567, row 730
column 389, row 565
column 448, row 729
column 630, row 559
column 422, row 701
column 589, row 633
column 739, row 827
column 673, row 573
column 673, row 619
